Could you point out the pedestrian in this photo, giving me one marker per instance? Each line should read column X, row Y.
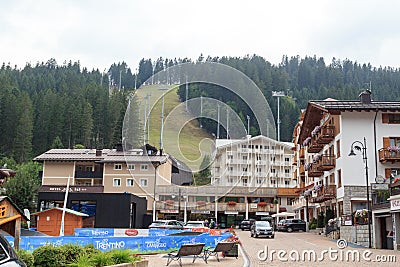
column 206, row 223
column 212, row 224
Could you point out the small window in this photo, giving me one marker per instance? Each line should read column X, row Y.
column 273, row 170
column 244, row 182
column 143, row 182
column 338, row 148
column 287, row 160
column 144, row 167
column 244, row 169
column 259, row 180
column 88, row 168
column 394, row 118
column 339, row 176
column 117, row 166
column 131, row 166
column 244, row 157
column 117, row 182
column 129, row 182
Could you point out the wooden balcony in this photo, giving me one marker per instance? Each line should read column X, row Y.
column 314, row 172
column 288, row 192
column 267, row 207
column 301, row 153
column 326, row 163
column 324, row 194
column 388, row 156
column 314, row 146
column 326, row 134
column 302, row 172
column 294, row 159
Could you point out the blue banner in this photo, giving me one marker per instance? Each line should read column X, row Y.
column 138, row 244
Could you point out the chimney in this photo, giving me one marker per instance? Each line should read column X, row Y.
column 99, row 152
column 365, row 97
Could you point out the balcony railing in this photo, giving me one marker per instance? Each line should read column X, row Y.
column 288, row 192
column 314, row 146
column 301, row 153
column 314, row 172
column 324, row 194
column 294, row 159
column 326, row 134
column 301, row 170
column 89, row 174
column 218, row 191
column 326, row 163
column 388, row 156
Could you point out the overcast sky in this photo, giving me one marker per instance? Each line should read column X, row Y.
column 99, row 33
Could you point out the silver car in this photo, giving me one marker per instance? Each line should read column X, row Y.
column 262, row 228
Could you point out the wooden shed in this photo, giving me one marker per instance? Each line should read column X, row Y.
column 10, row 218
column 49, row 221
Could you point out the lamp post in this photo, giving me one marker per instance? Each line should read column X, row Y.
column 363, row 148
column 278, row 95
column 179, row 205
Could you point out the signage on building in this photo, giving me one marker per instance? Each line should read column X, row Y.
column 253, row 205
column 169, row 211
column 72, row 189
column 262, row 213
column 379, row 186
column 395, row 204
column 201, row 211
column 230, row 212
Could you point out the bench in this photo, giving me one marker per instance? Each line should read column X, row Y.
column 221, row 247
column 194, row 250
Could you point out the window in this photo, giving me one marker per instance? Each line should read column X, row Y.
column 258, row 169
column 289, row 201
column 244, row 146
column 131, row 166
column 259, row 180
column 273, row 170
column 117, row 182
column 287, row 183
column 332, row 179
column 230, row 180
column 287, row 171
column 273, row 159
column 230, row 156
column 117, row 166
column 88, row 168
column 287, row 161
column 129, row 182
column 244, row 157
column 394, row 118
column 143, row 182
column 230, row 169
column 244, row 169
column 244, row 181
column 339, row 176
column 144, row 167
column 258, row 157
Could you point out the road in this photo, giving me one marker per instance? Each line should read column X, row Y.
column 292, row 249
column 289, row 249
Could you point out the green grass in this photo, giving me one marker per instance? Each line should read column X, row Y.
column 179, row 128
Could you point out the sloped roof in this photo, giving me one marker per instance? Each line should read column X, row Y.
column 15, row 206
column 77, row 213
column 244, row 141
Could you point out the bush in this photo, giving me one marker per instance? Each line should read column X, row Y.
column 313, row 224
column 71, row 252
column 320, row 220
column 90, row 250
column 102, row 259
column 48, row 256
column 26, row 257
column 84, row 260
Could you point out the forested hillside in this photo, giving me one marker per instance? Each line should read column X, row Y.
column 62, row 105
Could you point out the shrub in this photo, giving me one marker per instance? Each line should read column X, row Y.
column 71, row 252
column 84, row 260
column 48, row 256
column 320, row 220
column 121, row 256
column 26, row 257
column 102, row 259
column 313, row 224
column 90, row 250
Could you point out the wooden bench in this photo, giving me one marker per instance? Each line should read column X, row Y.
column 194, row 250
column 221, row 247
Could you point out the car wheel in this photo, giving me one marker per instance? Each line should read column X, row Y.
column 290, row 229
column 272, row 236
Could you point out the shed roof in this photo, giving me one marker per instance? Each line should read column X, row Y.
column 77, row 213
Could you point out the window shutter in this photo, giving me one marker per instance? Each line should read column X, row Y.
column 386, row 142
column 385, row 118
column 388, row 172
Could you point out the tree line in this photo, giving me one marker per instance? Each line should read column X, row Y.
column 51, row 105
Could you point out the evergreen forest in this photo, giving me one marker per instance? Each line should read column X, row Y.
column 51, row 105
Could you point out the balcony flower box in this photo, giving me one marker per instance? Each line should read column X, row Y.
column 231, row 203
column 395, row 149
column 169, row 202
column 315, row 131
column 201, row 203
column 261, row 204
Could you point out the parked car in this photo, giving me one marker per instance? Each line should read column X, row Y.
column 291, row 225
column 246, row 224
column 8, row 257
column 167, row 224
column 195, row 224
column 260, row 228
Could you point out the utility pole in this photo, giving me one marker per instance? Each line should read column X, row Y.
column 248, row 125
column 278, row 95
column 218, row 122
column 187, row 95
column 162, row 119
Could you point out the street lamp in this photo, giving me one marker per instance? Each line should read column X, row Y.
column 179, row 204
column 278, row 95
column 363, row 147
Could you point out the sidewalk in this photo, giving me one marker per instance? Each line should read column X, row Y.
column 159, row 260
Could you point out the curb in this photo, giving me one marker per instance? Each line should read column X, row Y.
column 246, row 259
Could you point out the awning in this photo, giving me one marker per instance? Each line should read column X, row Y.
column 284, row 214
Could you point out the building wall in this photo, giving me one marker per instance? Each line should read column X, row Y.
column 49, row 222
column 57, row 173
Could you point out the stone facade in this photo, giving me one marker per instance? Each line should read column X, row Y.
column 352, row 192
column 357, row 234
